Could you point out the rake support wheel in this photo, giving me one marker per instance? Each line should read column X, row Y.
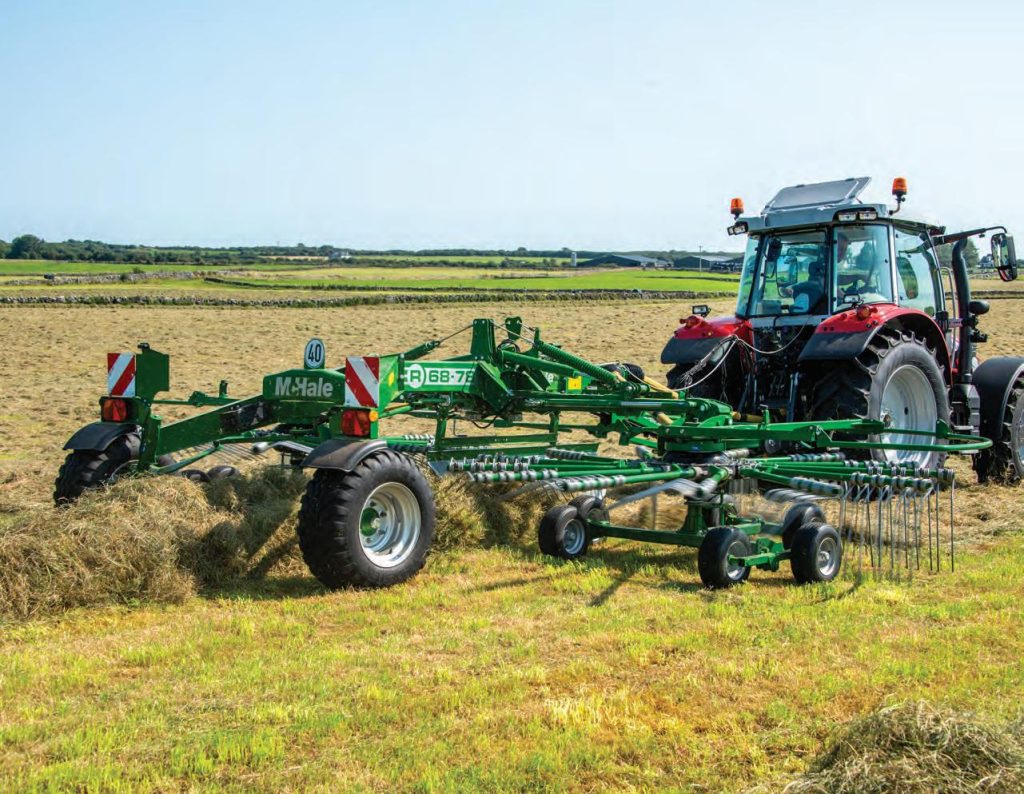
column 370, row 527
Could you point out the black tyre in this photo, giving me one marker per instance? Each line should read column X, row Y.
column 371, row 527
column 1002, row 462
column 716, row 572
column 817, row 553
column 627, row 369
column 716, row 380
column 563, row 533
column 84, row 470
column 196, row 475
column 896, row 379
column 796, row 516
column 221, row 472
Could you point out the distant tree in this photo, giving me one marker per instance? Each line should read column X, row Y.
column 971, row 255
column 4, row 248
column 27, row 246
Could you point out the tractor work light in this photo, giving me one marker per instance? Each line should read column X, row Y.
column 846, row 217
column 868, row 215
column 736, row 207
column 701, row 309
column 737, row 228
column 114, row 409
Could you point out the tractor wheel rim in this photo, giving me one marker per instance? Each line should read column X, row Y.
column 734, row 570
column 574, row 537
column 908, row 403
column 390, row 524
column 828, row 557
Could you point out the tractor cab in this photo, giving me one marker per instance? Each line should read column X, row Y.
column 831, row 288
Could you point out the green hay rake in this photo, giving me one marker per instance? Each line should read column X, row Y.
column 539, row 414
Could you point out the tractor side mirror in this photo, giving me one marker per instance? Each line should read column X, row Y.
column 774, row 249
column 1004, row 257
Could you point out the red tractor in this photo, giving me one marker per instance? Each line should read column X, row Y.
column 845, row 311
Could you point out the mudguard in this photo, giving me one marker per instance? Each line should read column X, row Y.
column 342, row 454
column 845, row 336
column 994, row 380
column 688, row 351
column 100, row 435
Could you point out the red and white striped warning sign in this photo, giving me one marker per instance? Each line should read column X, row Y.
column 362, row 381
column 121, row 374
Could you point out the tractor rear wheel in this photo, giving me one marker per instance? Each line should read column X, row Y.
column 898, row 380
column 87, row 469
column 370, row 527
column 1004, row 460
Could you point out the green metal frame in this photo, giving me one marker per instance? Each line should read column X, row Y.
column 523, row 384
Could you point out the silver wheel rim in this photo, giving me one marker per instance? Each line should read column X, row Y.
column 574, row 537
column 389, row 524
column 735, row 571
column 828, row 557
column 908, row 403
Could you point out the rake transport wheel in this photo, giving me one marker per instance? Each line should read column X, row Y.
column 896, row 379
column 796, row 516
column 85, row 469
column 716, row 572
column 563, row 533
column 817, row 553
column 1004, row 460
column 371, row 527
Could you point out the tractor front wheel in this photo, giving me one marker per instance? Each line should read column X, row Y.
column 371, row 527
column 87, row 469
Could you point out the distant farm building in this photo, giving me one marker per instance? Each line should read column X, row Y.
column 625, row 260
column 713, row 263
column 336, row 255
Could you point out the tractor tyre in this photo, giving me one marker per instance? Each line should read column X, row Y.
column 563, row 533
column 724, row 383
column 195, row 475
column 817, row 553
column 896, row 379
column 370, row 527
column 628, row 370
column 716, row 572
column 1002, row 462
column 87, row 469
column 796, row 516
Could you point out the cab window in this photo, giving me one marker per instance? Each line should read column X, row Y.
column 863, row 268
column 917, row 272
column 785, row 274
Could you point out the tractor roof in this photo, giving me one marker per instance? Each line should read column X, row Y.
column 814, row 204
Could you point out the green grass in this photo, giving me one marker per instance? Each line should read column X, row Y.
column 612, row 280
column 497, row 670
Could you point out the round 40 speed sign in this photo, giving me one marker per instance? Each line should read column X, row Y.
column 315, row 354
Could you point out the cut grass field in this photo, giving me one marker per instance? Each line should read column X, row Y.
column 496, row 668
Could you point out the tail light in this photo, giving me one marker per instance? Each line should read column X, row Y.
column 358, row 423
column 114, row 409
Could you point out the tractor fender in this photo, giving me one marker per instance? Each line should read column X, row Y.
column 844, row 336
column 342, row 454
column 100, row 435
column 693, row 341
column 994, row 379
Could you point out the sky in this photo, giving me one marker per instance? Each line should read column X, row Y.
column 592, row 125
